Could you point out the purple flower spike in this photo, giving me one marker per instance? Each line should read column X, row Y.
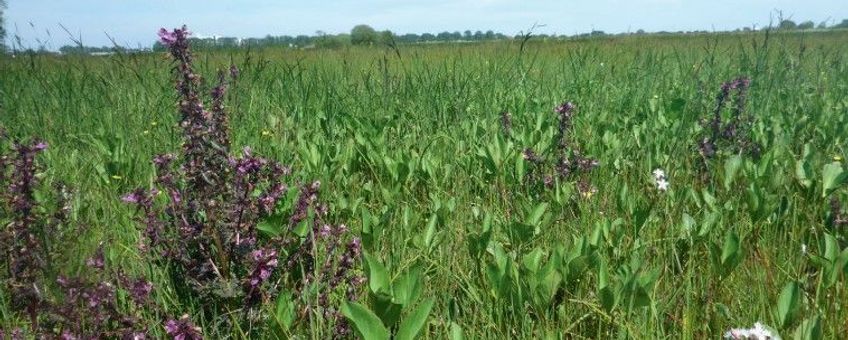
column 565, row 108
column 133, row 197
column 39, row 146
column 167, row 38
column 183, row 329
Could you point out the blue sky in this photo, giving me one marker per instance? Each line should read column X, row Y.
column 134, row 22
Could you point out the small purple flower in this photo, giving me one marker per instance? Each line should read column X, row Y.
column 163, row 160
column 566, row 108
column 97, row 261
column 266, row 261
column 39, row 146
column 529, row 155
column 140, row 290
column 325, row 231
column 166, row 37
column 133, row 197
column 183, row 329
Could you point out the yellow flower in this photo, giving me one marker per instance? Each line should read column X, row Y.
column 145, row 132
column 837, row 158
column 153, row 123
column 116, row 177
column 266, row 133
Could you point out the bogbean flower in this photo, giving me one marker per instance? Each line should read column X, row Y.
column 662, row 184
column 758, row 332
column 660, row 179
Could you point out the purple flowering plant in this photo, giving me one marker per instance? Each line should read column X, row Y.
column 224, row 225
column 36, row 225
column 564, row 161
column 729, row 133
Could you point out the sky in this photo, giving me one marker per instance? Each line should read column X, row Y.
column 134, row 23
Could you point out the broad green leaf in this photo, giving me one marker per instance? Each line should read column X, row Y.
column 285, row 312
column 430, row 233
column 408, row 287
column 378, row 275
column 810, row 329
column 803, row 173
column 831, row 247
column 788, row 303
column 367, row 324
column 456, row 330
column 832, row 177
column 272, row 225
column 730, row 249
column 731, row 169
column 411, row 326
column 536, row 215
column 533, row 260
column 520, row 168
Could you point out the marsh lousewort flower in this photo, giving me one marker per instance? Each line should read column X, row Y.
column 730, row 135
column 183, row 329
column 206, row 227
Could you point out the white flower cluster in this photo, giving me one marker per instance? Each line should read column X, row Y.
column 661, row 179
column 759, row 332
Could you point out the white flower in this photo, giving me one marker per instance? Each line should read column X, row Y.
column 759, row 332
column 662, row 184
column 803, row 249
column 659, row 173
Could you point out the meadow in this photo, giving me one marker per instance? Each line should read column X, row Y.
column 470, row 224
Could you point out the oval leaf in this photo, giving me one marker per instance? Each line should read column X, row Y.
column 366, row 323
column 413, row 323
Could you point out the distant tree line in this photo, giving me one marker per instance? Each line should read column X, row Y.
column 788, row 24
column 359, row 35
column 364, row 35
column 78, row 49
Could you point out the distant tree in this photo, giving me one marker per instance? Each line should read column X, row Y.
column 489, row 35
column 428, row 37
column 822, row 25
column 787, row 24
column 227, row 42
column 409, row 38
column 387, row 37
column 363, row 35
column 640, row 31
column 478, row 35
column 806, row 25
column 467, row 35
column 2, row 27
column 843, row 24
column 332, row 41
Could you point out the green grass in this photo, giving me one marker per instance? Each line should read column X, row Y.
column 404, row 138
